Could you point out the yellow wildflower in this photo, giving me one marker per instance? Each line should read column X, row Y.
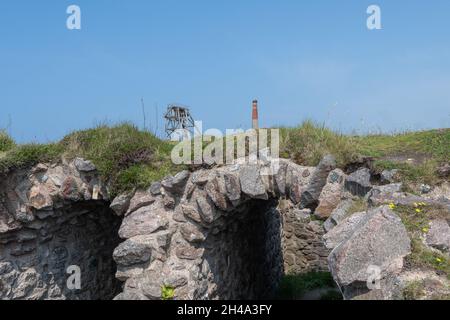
column 391, row 205
column 418, row 210
column 425, row 230
column 438, row 259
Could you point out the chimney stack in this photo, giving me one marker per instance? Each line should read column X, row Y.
column 255, row 115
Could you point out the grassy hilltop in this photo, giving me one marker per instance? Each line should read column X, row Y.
column 128, row 157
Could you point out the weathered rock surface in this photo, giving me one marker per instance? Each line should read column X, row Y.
column 438, row 235
column 343, row 230
column 338, row 214
column 145, row 220
column 140, row 199
column 228, row 249
column 227, row 232
column 84, row 165
column 177, row 183
column 120, row 204
column 389, row 176
column 379, row 240
column 392, row 194
column 310, row 196
column 53, row 217
column 331, row 194
column 358, row 183
column 251, row 183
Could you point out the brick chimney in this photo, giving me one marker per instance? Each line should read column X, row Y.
column 255, row 115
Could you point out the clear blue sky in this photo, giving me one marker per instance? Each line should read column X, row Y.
column 300, row 59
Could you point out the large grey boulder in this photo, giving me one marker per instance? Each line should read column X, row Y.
column 192, row 233
column 297, row 179
column 438, row 235
column 120, row 204
column 343, row 230
column 155, row 188
column 132, row 251
column 331, row 194
column 142, row 248
column 217, row 193
column 380, row 195
column 279, row 177
column 145, row 220
column 207, row 210
column 177, row 183
column 83, row 165
column 232, row 186
column 358, row 183
column 140, row 199
column 338, row 214
column 251, row 182
column 379, row 241
column 311, row 194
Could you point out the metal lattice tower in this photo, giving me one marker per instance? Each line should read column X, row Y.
column 178, row 117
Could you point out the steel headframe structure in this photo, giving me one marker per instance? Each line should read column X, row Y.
column 178, row 117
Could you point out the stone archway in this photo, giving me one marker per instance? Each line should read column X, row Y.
column 53, row 217
column 228, row 232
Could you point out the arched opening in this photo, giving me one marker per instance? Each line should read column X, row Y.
column 245, row 257
column 35, row 261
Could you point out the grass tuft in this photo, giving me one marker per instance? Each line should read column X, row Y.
column 309, row 142
column 125, row 156
column 416, row 221
column 6, row 142
column 29, row 154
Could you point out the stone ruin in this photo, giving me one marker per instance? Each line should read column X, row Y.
column 228, row 232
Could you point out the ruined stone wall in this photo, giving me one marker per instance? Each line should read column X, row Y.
column 52, row 218
column 245, row 259
column 223, row 233
column 303, row 247
column 34, row 260
column 219, row 233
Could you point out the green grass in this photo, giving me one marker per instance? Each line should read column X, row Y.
column 434, row 143
column 167, row 293
column 294, row 286
column 6, row 142
column 29, row 154
column 128, row 157
column 417, row 225
column 309, row 142
column 125, row 156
